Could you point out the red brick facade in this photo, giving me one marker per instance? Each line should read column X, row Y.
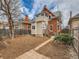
column 54, row 24
column 27, row 24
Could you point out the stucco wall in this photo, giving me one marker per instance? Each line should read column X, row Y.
column 33, row 31
column 40, row 24
column 41, row 18
column 75, row 23
column 75, row 32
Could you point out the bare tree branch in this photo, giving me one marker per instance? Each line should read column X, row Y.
column 10, row 8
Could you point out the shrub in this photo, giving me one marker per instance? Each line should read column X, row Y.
column 65, row 31
column 66, row 38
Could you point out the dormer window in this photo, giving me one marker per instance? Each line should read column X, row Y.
column 42, row 14
column 46, row 14
column 37, row 15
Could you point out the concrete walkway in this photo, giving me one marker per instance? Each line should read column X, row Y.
column 44, row 43
column 32, row 54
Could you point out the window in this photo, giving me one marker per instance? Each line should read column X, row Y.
column 46, row 14
column 58, row 27
column 42, row 14
column 33, row 27
column 29, row 27
column 51, row 27
column 49, row 17
column 37, row 15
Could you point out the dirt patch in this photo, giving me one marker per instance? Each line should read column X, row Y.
column 73, row 53
column 55, row 51
column 20, row 45
column 2, row 46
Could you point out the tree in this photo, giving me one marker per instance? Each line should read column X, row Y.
column 10, row 9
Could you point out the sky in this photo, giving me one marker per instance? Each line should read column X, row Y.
column 65, row 6
column 32, row 7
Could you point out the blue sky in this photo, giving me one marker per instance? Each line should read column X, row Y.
column 33, row 7
column 65, row 6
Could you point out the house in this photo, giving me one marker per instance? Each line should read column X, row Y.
column 45, row 23
column 74, row 29
column 26, row 24
column 4, row 25
column 74, row 25
column 22, row 26
column 55, row 23
column 1, row 25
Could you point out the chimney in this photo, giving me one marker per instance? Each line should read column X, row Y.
column 26, row 19
column 70, row 14
column 26, row 22
column 45, row 6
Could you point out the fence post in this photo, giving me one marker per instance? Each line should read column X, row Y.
column 78, row 50
column 78, row 42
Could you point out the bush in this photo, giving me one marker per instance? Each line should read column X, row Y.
column 66, row 38
column 65, row 31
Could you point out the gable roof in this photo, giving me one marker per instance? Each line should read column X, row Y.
column 46, row 9
column 76, row 16
column 56, row 14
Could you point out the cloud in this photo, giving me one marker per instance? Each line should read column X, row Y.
column 65, row 6
column 27, row 3
column 37, row 7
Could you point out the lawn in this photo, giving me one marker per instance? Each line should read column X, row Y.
column 20, row 45
column 55, row 50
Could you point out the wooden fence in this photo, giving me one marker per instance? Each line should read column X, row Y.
column 5, row 32
column 76, row 40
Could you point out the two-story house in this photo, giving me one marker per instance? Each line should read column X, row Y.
column 45, row 23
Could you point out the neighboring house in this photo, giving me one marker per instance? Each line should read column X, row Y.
column 1, row 25
column 23, row 25
column 74, row 24
column 45, row 23
column 74, row 28
column 27, row 24
column 20, row 26
column 4, row 25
